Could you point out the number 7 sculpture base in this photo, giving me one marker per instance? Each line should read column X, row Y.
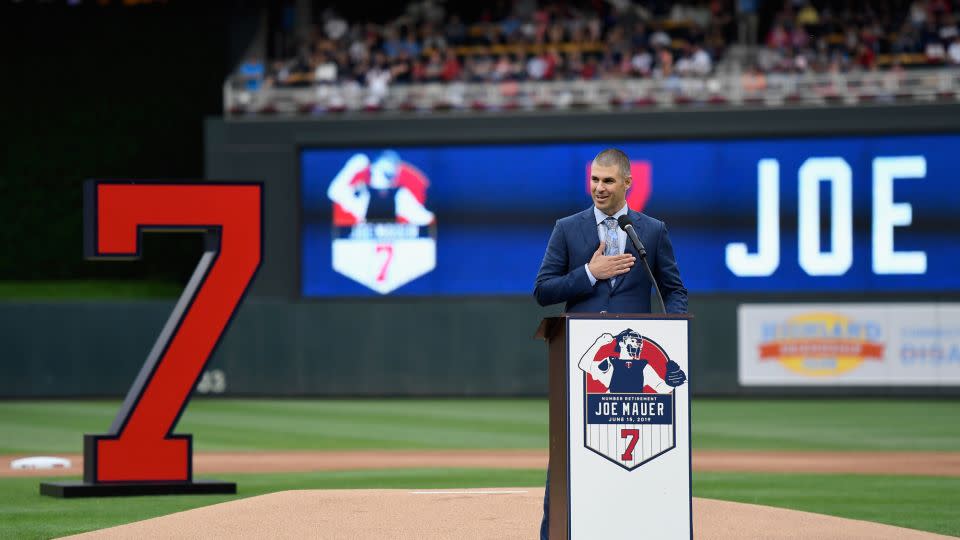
column 78, row 488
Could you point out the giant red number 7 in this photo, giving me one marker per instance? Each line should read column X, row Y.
column 140, row 449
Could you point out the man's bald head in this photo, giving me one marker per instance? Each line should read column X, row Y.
column 614, row 157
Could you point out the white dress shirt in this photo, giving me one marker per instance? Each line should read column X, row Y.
column 602, row 234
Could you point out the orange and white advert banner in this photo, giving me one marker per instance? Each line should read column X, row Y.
column 877, row 344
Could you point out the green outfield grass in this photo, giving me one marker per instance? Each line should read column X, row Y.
column 51, row 426
column 827, row 424
column 928, row 503
column 229, row 424
column 915, row 502
column 87, row 289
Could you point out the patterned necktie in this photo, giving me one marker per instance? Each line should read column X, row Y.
column 612, row 243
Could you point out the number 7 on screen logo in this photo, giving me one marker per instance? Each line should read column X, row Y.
column 388, row 249
column 140, row 445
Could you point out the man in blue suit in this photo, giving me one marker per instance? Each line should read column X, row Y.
column 589, row 263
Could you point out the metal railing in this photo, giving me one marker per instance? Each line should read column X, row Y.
column 777, row 89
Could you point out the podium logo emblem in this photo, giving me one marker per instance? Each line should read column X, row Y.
column 630, row 414
column 383, row 234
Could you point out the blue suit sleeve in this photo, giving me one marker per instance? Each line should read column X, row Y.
column 555, row 281
column 667, row 274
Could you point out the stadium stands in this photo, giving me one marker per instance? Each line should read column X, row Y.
column 541, row 55
column 844, row 36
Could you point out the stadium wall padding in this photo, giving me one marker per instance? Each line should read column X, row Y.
column 282, row 345
column 346, row 348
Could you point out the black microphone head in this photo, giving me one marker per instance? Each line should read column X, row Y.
column 624, row 220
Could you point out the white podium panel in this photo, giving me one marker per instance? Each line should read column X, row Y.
column 629, row 429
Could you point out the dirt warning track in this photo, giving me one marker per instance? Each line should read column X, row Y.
column 895, row 463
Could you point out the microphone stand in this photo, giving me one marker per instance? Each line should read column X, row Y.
column 643, row 257
column 627, row 226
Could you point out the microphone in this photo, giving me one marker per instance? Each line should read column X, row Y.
column 627, row 226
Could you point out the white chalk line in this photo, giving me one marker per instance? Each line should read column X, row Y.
column 465, row 492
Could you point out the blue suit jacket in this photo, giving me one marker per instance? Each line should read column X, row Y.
column 562, row 277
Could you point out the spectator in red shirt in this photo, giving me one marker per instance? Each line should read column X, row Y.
column 589, row 69
column 419, row 71
column 552, row 59
column 939, row 7
column 778, row 38
column 451, row 67
column 866, row 58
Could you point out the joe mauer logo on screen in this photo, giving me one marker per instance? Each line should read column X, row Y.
column 383, row 235
column 630, row 411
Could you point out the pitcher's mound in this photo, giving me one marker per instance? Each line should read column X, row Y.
column 496, row 514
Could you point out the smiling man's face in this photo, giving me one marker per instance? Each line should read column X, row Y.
column 608, row 187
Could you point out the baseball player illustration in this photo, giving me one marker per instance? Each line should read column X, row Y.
column 616, row 363
column 384, row 237
column 383, row 190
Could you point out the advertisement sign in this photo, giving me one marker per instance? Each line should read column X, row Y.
column 744, row 215
column 895, row 344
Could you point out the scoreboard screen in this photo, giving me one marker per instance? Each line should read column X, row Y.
column 746, row 215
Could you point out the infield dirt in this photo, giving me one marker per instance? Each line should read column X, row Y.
column 465, row 515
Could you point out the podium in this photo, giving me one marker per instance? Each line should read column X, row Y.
column 619, row 426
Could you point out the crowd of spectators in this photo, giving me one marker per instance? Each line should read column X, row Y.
column 831, row 36
column 524, row 41
column 530, row 40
